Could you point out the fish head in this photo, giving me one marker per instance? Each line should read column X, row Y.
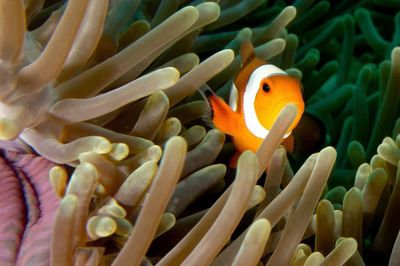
column 273, row 94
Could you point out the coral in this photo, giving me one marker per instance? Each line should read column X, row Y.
column 107, row 90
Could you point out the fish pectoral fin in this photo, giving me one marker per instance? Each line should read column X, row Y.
column 223, row 117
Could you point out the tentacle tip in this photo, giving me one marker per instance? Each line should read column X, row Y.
column 228, row 53
column 329, row 149
column 209, row 4
column 247, row 157
column 263, row 223
column 177, row 141
column 58, row 179
column 101, row 145
column 192, row 11
column 212, row 8
column 172, row 73
column 292, row 10
column 9, row 130
column 68, row 205
column 279, row 40
column 119, row 151
column 396, row 53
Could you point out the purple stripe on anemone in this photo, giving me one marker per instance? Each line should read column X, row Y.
column 27, row 208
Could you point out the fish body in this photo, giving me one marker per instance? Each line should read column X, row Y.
column 258, row 94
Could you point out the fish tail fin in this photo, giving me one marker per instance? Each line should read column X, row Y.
column 218, row 113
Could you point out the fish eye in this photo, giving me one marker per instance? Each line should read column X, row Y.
column 265, row 87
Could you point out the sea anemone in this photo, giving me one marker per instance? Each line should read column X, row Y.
column 106, row 89
column 44, row 91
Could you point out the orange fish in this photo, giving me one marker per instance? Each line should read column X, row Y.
column 258, row 94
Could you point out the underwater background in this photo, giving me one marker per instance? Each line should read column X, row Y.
column 106, row 158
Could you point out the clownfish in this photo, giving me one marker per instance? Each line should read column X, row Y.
column 258, row 94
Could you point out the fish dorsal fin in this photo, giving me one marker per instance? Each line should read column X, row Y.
column 246, row 52
column 233, row 97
